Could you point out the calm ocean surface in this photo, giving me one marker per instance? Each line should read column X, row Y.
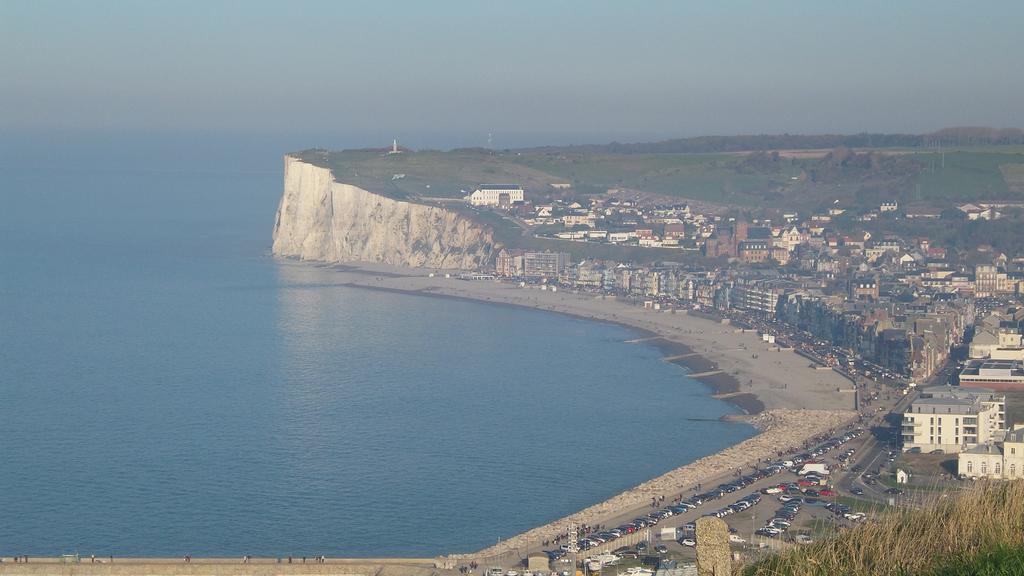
column 167, row 388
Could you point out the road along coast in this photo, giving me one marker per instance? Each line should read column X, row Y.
column 782, row 431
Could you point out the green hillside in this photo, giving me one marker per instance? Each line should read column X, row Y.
column 860, row 178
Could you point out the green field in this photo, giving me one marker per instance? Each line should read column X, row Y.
column 960, row 175
column 428, row 173
column 708, row 177
column 966, row 176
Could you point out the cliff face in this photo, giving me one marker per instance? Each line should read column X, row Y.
column 320, row 219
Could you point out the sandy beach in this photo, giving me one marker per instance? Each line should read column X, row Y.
column 737, row 365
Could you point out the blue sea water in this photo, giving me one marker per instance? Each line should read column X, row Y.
column 166, row 387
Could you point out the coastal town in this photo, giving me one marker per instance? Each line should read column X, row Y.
column 522, row 288
column 886, row 306
column 932, row 345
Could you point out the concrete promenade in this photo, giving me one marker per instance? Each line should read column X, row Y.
column 221, row 567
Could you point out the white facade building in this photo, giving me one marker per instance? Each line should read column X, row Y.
column 1001, row 461
column 954, row 419
column 497, row 195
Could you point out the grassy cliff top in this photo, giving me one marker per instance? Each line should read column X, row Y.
column 789, row 179
column 427, row 174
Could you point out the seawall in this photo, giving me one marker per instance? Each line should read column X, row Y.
column 218, row 567
column 323, row 220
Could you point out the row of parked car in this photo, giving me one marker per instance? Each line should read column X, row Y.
column 738, row 506
column 834, row 443
column 845, row 456
column 844, row 511
column 639, row 523
column 502, row 572
column 781, row 521
column 809, row 487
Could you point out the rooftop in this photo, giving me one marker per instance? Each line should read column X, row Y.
column 500, row 187
column 987, row 368
column 984, row 449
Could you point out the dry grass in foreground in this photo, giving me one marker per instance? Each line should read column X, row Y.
column 985, row 517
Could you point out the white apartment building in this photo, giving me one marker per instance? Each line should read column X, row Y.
column 497, row 195
column 954, row 419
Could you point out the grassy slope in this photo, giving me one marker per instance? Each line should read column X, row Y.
column 966, row 176
column 978, row 527
column 428, row 173
column 1000, row 561
column 709, row 177
column 509, row 234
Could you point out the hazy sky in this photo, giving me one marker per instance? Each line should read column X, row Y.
column 446, row 73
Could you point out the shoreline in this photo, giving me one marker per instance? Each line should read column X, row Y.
column 786, row 402
column 784, row 398
column 723, row 386
column 736, row 365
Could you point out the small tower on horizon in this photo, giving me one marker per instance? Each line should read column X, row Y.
column 394, row 147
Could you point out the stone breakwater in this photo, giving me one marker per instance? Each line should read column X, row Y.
column 781, row 431
column 323, row 220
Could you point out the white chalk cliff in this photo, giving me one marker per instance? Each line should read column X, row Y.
column 327, row 221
